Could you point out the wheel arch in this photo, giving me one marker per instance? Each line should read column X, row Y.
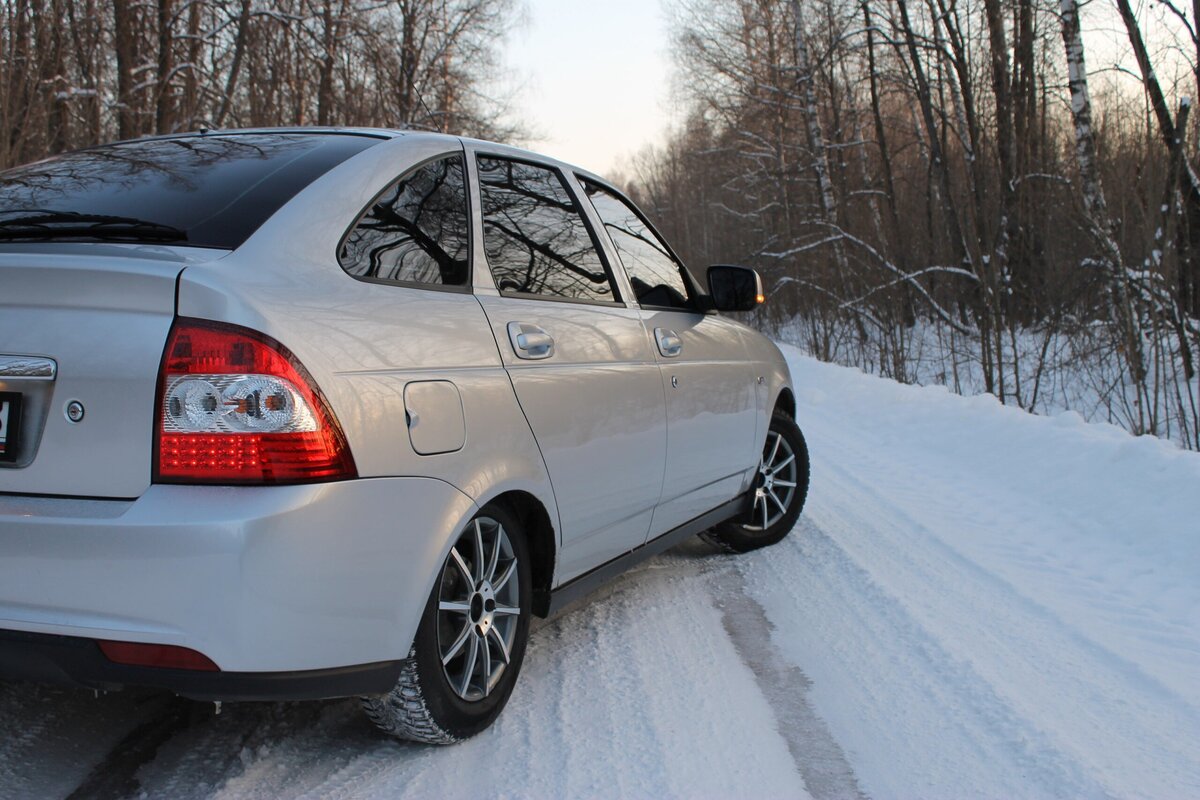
column 785, row 401
column 540, row 536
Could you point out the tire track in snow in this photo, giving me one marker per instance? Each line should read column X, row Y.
column 1096, row 708
column 938, row 675
column 51, row 738
column 819, row 758
column 636, row 692
column 914, row 720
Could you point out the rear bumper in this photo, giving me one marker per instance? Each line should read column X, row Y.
column 289, row 579
column 69, row 660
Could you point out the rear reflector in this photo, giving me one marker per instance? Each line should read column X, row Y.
column 236, row 407
column 168, row 656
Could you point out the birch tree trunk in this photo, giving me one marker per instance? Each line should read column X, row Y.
column 1096, row 206
column 815, row 136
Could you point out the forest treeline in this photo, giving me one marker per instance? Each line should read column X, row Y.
column 78, row 72
column 932, row 191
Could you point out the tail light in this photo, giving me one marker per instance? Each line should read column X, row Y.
column 236, row 407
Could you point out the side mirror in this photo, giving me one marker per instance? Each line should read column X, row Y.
column 735, row 288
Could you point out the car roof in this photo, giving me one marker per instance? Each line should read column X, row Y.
column 496, row 148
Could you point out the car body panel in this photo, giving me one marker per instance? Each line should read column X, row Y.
column 101, row 313
column 365, row 341
column 711, row 414
column 256, row 578
column 710, row 390
column 605, row 459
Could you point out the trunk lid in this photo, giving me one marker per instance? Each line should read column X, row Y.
column 82, row 327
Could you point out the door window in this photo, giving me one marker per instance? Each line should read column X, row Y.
column 534, row 235
column 416, row 231
column 656, row 276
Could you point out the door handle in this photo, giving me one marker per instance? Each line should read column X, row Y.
column 669, row 344
column 530, row 341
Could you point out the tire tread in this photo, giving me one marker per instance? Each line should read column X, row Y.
column 403, row 712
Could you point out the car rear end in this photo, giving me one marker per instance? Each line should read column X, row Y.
column 179, row 506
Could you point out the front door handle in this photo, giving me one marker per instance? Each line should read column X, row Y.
column 530, row 341
column 669, row 344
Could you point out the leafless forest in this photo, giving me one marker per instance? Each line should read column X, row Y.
column 931, row 188
column 932, row 192
column 76, row 72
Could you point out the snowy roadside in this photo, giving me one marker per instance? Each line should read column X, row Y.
column 976, row 602
column 991, row 603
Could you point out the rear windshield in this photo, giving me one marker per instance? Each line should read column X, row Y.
column 206, row 191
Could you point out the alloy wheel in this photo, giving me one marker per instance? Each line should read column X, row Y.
column 479, row 609
column 775, row 485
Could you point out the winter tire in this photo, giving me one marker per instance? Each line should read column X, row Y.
column 780, row 489
column 470, row 642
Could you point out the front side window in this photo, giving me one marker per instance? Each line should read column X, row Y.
column 534, row 236
column 656, row 276
column 416, row 231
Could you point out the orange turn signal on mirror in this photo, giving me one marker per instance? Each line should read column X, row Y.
column 760, row 299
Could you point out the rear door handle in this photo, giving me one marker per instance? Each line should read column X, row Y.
column 530, row 341
column 669, row 344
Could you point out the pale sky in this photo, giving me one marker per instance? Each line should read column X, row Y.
column 596, row 78
column 595, row 74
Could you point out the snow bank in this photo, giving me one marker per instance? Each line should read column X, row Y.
column 991, row 603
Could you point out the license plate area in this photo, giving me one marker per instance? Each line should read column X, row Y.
column 10, row 425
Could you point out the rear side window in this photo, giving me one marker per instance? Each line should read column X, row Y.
column 202, row 190
column 656, row 276
column 534, row 236
column 416, row 231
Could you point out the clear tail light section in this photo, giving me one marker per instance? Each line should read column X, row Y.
column 236, row 407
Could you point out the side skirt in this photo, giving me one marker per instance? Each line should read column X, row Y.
column 590, row 581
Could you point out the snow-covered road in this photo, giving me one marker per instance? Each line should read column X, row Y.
column 976, row 602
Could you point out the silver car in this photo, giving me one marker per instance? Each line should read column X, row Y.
column 309, row 413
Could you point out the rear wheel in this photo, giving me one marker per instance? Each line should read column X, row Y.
column 780, row 489
column 471, row 640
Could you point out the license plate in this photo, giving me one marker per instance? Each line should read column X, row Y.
column 10, row 424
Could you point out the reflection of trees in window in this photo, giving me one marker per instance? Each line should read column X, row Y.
column 536, row 241
column 416, row 231
column 180, row 163
column 217, row 188
column 656, row 277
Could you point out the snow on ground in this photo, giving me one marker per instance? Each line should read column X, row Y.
column 977, row 602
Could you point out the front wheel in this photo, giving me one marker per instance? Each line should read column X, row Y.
column 780, row 489
column 471, row 639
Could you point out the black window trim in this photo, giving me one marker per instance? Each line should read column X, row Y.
column 465, row 288
column 695, row 304
column 618, row 301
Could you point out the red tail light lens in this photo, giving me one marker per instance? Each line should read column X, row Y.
column 235, row 407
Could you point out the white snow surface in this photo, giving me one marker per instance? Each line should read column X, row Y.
column 977, row 602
